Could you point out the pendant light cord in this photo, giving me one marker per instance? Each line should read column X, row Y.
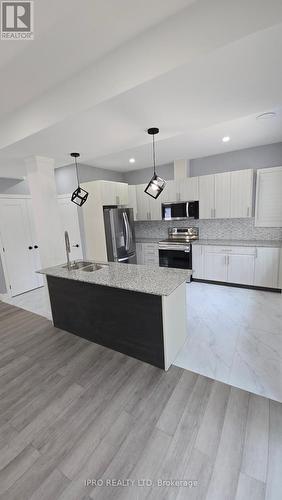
column 76, row 168
column 154, row 154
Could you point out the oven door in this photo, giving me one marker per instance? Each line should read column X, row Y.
column 179, row 257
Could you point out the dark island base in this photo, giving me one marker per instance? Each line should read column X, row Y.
column 125, row 321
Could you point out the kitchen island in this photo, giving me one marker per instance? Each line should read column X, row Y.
column 137, row 310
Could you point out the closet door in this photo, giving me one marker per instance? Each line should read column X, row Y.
column 70, row 223
column 18, row 245
column 35, row 252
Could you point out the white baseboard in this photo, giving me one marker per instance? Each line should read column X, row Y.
column 4, row 296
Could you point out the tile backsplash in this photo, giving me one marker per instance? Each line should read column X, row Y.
column 232, row 229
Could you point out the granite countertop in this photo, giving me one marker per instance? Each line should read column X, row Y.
column 241, row 243
column 145, row 279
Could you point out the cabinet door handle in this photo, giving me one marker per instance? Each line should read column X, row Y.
column 211, row 213
column 248, row 212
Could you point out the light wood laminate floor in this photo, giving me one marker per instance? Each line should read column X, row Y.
column 72, row 410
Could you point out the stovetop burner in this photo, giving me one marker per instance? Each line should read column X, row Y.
column 180, row 235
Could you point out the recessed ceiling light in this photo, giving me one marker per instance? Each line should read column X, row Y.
column 267, row 116
column 226, row 138
column 131, row 160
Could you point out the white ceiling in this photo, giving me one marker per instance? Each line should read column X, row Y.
column 199, row 82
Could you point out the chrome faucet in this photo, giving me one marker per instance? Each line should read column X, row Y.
column 68, row 249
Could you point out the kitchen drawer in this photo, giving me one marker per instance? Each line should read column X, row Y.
column 151, row 262
column 150, row 246
column 150, row 250
column 227, row 250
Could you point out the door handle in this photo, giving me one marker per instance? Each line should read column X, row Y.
column 35, row 246
column 124, row 215
column 30, row 248
column 76, row 246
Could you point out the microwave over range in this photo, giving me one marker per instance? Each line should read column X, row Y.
column 180, row 210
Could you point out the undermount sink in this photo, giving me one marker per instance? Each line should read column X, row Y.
column 77, row 265
column 93, row 267
column 86, row 266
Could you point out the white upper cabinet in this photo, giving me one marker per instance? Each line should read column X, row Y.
column 113, row 193
column 269, row 197
column 222, row 196
column 155, row 208
column 206, row 196
column 241, row 200
column 132, row 201
column 226, row 195
column 188, row 188
column 147, row 207
column 142, row 199
column 170, row 192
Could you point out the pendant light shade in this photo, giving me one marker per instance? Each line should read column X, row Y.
column 156, row 184
column 79, row 196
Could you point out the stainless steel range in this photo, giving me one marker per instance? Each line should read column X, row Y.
column 176, row 250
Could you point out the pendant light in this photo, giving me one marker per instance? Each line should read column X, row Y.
column 156, row 184
column 79, row 196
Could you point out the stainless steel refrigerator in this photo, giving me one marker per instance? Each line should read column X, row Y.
column 120, row 236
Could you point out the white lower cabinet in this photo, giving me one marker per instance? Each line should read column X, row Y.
column 215, row 266
column 198, row 261
column 139, row 253
column 267, row 267
column 240, row 269
column 258, row 266
column 147, row 254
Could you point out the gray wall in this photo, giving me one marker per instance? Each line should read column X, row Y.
column 144, row 175
column 258, row 157
column 66, row 177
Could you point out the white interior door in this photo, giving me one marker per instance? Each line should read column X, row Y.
column 70, row 223
column 18, row 245
column 35, row 252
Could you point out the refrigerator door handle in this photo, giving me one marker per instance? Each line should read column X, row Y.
column 129, row 232
column 113, row 235
column 127, row 236
column 126, row 258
